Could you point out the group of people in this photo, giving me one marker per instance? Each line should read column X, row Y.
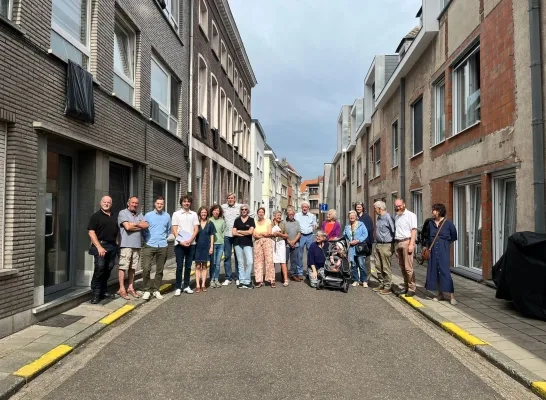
column 208, row 236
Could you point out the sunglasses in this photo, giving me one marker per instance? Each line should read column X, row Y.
column 244, row 209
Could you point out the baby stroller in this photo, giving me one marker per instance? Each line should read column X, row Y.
column 336, row 273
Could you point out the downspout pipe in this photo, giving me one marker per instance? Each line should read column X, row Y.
column 366, row 185
column 190, row 122
column 402, row 138
column 349, row 180
column 537, row 124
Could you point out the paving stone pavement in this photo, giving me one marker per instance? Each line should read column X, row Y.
column 495, row 321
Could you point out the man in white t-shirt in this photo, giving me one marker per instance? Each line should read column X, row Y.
column 404, row 239
column 184, row 228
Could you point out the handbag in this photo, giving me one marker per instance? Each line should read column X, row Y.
column 362, row 249
column 426, row 250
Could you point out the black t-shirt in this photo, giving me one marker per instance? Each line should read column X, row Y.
column 244, row 226
column 105, row 226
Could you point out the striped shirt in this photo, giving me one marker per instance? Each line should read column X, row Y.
column 384, row 229
column 231, row 213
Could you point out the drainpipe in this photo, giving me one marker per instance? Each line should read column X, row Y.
column 366, row 186
column 190, row 128
column 349, row 179
column 402, row 138
column 537, row 123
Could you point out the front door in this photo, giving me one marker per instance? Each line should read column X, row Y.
column 58, row 242
column 468, row 221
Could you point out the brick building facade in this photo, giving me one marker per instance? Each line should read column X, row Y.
column 56, row 168
column 220, row 114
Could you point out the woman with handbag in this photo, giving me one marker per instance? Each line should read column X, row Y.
column 356, row 233
column 441, row 233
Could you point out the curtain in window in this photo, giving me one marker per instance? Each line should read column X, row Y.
column 71, row 16
column 418, row 127
column 509, row 226
column 160, row 85
column 477, row 226
column 121, row 53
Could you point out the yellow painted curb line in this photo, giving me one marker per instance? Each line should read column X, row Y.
column 165, row 287
column 462, row 334
column 120, row 312
column 52, row 356
column 412, row 302
column 539, row 387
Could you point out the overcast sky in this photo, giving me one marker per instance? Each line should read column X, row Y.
column 310, row 57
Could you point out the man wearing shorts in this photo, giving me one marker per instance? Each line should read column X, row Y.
column 131, row 223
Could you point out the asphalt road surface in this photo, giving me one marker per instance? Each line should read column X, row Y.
column 283, row 343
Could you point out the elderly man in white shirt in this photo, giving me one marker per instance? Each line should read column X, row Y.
column 308, row 224
column 405, row 235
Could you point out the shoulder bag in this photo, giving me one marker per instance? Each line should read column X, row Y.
column 426, row 250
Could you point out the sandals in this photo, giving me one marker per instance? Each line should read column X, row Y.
column 133, row 293
column 204, row 288
column 273, row 285
column 259, row 285
column 197, row 289
column 123, row 294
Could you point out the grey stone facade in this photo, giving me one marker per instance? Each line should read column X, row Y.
column 32, row 101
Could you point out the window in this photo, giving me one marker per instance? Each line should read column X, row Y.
column 236, row 80
column 353, row 177
column 124, row 61
column 359, row 172
column 213, row 102
column 202, row 87
column 373, row 94
column 6, row 8
column 417, row 126
column 235, row 128
column 70, row 24
column 165, row 96
column 167, row 189
column 417, row 204
column 230, row 68
column 504, row 213
column 466, row 92
column 49, row 216
column 222, row 114
column 444, row 3
column 120, row 184
column 204, row 17
column 313, row 204
column 395, row 144
column 229, row 122
column 377, row 158
column 240, row 89
column 245, row 99
column 215, row 42
column 467, row 209
column 223, row 55
column 171, row 12
column 439, row 113
column 248, row 105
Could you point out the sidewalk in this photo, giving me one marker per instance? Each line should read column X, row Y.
column 491, row 326
column 29, row 352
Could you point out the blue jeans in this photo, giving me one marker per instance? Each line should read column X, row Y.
column 228, row 248
column 245, row 254
column 184, row 258
column 359, row 266
column 292, row 256
column 305, row 242
column 215, row 262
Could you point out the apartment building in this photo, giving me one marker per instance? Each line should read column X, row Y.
column 257, row 161
column 452, row 125
column 222, row 81
column 311, row 192
column 93, row 102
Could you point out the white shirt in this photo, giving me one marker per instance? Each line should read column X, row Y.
column 185, row 221
column 308, row 222
column 405, row 223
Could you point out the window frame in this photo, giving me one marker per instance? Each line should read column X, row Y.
column 124, row 26
column 204, row 26
column 437, row 136
column 222, row 110
column 77, row 44
column 215, row 39
column 158, row 177
column 417, row 210
column 214, row 102
column 168, row 110
column 9, row 17
column 414, row 153
column 499, row 192
column 359, row 172
column 395, row 145
column 475, row 50
column 377, row 158
column 202, row 106
column 229, row 121
column 236, row 80
column 230, row 68
column 223, row 55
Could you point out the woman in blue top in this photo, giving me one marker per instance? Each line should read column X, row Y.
column 356, row 232
column 438, row 273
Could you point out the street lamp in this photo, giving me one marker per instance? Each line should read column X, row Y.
column 233, row 158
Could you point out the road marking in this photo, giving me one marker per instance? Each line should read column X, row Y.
column 165, row 288
column 412, row 302
column 540, row 388
column 49, row 358
column 463, row 335
column 120, row 312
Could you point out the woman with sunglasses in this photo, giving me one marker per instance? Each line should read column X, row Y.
column 243, row 229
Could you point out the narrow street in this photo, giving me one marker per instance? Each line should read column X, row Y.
column 281, row 343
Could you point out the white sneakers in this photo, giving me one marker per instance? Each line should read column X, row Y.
column 187, row 290
column 355, row 284
column 226, row 282
column 157, row 295
column 365, row 284
column 177, row 292
column 237, row 282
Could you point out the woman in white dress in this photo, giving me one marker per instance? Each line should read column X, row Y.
column 279, row 236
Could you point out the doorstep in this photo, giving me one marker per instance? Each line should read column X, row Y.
column 475, row 276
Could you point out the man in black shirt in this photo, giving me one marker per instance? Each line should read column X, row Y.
column 104, row 231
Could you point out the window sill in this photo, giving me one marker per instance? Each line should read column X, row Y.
column 394, row 167
column 416, row 155
column 438, row 144
column 204, row 32
column 465, row 129
column 12, row 25
column 131, row 106
column 166, row 130
column 8, row 273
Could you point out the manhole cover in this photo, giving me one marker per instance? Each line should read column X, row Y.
column 60, row 321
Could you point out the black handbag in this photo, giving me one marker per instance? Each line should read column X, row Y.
column 362, row 249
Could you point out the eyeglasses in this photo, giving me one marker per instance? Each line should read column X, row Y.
column 359, row 203
column 244, row 209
